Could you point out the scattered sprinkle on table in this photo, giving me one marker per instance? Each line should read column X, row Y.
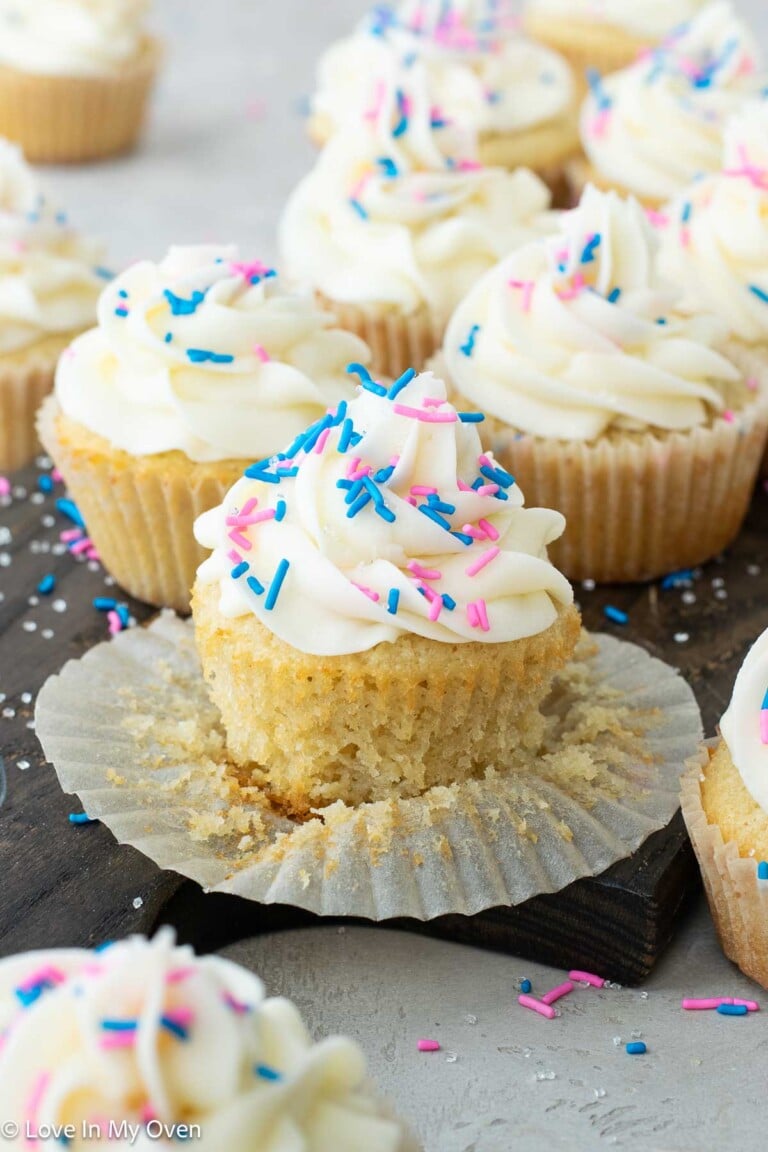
column 615, row 615
column 636, row 1048
column 428, row 1046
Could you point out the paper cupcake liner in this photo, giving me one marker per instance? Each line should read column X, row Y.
column 737, row 900
column 23, row 386
column 139, row 510
column 397, row 342
column 69, row 119
column 638, row 507
column 131, row 730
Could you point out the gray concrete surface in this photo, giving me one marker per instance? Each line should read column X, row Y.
column 224, row 148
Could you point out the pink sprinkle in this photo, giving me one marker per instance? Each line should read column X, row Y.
column 428, row 1046
column 235, row 557
column 237, row 1006
column 600, row 122
column 92, row 554
column 577, row 287
column 482, row 561
column 657, row 219
column 469, row 166
column 262, row 353
column 477, row 614
column 728, row 416
column 463, row 486
column 45, row 975
column 764, row 725
column 177, row 975
column 56, row 476
column 557, row 993
column 369, row 592
column 115, row 623
column 536, row 1006
column 424, row 573
column 353, row 466
column 435, row 609
column 487, row 490
column 587, row 978
column 184, row 1017
column 412, row 501
column 81, row 546
column 475, row 533
column 365, row 470
column 5, row 486
column 241, row 541
column 321, row 441
column 70, row 534
column 423, row 490
column 429, row 593
column 147, row 1113
column 249, row 270
column 433, row 402
column 491, row 532
column 685, row 237
column 249, row 506
column 752, row 384
column 527, row 288
column 712, row 1003
column 117, row 1040
column 424, row 416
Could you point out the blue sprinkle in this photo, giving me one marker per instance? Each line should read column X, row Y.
column 168, row 337
column 355, row 439
column 255, row 585
column 386, row 513
column 261, row 471
column 613, row 296
column 123, row 294
column 314, row 432
column 344, row 484
column 388, row 167
column 392, row 601
column 203, row 356
column 276, row 585
column 121, row 311
column 595, row 81
column 45, row 483
column 267, row 1073
column 345, row 435
column 370, row 485
column 357, row 506
column 431, row 514
column 280, row 510
column 765, row 701
column 103, row 947
column 173, row 1026
column 732, row 1009
column 588, row 255
column 366, row 379
column 104, row 273
column 448, row 602
column 676, row 579
column 471, row 417
column 119, row 1026
column 240, row 570
column 124, row 614
column 401, row 383
column 761, row 294
column 104, row 604
column 340, row 414
column 402, row 125
column 69, row 509
column 358, row 208
column 497, row 476
column 181, row 307
column 468, row 347
column 441, row 506
column 636, row 1048
column 616, row 615
column 28, row 996
column 762, row 870
column 463, row 538
column 81, row 818
column 662, row 320
column 525, row 986
column 47, row 584
column 384, row 474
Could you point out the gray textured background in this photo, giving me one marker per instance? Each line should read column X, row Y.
column 224, row 149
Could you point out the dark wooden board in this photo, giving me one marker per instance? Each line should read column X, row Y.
column 66, row 885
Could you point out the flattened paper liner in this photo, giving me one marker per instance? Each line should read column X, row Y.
column 131, row 730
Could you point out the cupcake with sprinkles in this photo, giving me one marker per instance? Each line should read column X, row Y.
column 607, row 401
column 606, row 35
column 518, row 96
column 715, row 237
column 382, row 591
column 398, row 219
column 75, row 76
column 199, row 365
column 725, row 805
column 50, row 281
column 142, row 1044
column 653, row 128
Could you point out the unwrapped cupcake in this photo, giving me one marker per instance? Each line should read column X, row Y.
column 199, row 365
column 50, row 281
column 517, row 95
column 725, row 805
column 142, row 1044
column 378, row 615
column 398, row 219
column 606, row 401
column 605, row 34
column 75, row 76
column 656, row 126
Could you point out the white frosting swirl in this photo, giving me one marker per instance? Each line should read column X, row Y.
column 399, row 214
column 49, row 279
column 656, row 126
column 71, row 37
column 486, row 80
column 744, row 727
column 715, row 235
column 205, row 354
column 390, row 520
column 577, row 334
column 649, row 20
column 146, row 1034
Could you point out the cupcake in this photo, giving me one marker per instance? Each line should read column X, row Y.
column 715, row 237
column 142, row 1044
column 725, row 805
column 398, row 219
column 75, row 76
column 605, row 34
column 518, row 96
column 50, row 282
column 199, row 365
column 606, row 401
column 656, row 126
column 383, row 594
